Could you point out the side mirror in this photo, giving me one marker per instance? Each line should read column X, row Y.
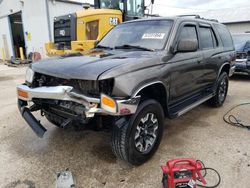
column 187, row 45
column 96, row 43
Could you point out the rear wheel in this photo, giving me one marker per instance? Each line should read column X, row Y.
column 136, row 138
column 221, row 91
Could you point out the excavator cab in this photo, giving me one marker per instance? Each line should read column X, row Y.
column 79, row 31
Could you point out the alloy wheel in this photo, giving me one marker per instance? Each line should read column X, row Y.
column 223, row 90
column 146, row 133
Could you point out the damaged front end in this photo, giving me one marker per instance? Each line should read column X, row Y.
column 78, row 100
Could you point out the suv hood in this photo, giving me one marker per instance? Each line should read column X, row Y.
column 92, row 64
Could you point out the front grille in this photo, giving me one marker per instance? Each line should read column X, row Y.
column 87, row 87
column 241, row 55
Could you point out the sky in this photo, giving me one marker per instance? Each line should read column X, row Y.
column 177, row 7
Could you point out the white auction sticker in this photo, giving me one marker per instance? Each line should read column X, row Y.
column 191, row 183
column 153, row 35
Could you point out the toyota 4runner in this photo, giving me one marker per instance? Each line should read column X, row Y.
column 141, row 72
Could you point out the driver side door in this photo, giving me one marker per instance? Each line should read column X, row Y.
column 186, row 67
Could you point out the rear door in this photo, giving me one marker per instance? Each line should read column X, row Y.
column 186, row 67
column 212, row 56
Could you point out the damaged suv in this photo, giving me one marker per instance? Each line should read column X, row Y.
column 141, row 72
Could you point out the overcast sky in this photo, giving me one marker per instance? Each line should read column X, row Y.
column 176, row 7
column 173, row 7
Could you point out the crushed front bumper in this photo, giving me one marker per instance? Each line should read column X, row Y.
column 66, row 93
column 242, row 66
column 34, row 124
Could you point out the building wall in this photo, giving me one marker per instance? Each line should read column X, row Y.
column 4, row 33
column 35, row 22
column 238, row 27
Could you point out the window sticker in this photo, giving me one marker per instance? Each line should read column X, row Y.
column 153, row 35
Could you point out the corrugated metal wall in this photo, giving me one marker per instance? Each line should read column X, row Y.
column 238, row 27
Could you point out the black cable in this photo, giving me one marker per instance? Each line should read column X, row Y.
column 232, row 120
column 205, row 169
column 213, row 186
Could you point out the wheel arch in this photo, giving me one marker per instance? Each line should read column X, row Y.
column 224, row 68
column 154, row 90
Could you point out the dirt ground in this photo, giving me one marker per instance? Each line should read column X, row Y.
column 28, row 161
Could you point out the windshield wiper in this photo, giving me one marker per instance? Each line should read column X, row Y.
column 128, row 46
column 105, row 47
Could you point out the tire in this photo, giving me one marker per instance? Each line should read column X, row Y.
column 54, row 119
column 221, row 91
column 136, row 138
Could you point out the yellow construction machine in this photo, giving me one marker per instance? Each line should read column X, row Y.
column 79, row 31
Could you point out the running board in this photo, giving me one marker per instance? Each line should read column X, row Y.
column 190, row 107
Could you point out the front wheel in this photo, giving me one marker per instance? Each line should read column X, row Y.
column 221, row 91
column 136, row 138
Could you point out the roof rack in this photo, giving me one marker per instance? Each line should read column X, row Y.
column 196, row 16
column 190, row 15
column 152, row 15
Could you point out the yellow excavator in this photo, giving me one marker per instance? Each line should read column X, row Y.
column 79, row 31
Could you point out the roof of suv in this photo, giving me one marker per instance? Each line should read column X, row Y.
column 176, row 18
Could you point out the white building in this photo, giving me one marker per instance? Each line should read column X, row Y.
column 29, row 24
column 236, row 19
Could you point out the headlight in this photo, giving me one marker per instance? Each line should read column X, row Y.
column 29, row 75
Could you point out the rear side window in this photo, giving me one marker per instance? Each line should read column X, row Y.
column 225, row 36
column 207, row 38
column 188, row 32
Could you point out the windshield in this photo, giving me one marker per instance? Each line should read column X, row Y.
column 111, row 4
column 241, row 38
column 134, row 7
column 151, row 34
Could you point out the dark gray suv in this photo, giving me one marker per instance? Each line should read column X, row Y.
column 140, row 73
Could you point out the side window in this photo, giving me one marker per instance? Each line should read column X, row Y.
column 225, row 36
column 92, row 29
column 188, row 32
column 207, row 38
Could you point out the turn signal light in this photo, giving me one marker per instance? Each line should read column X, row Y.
column 23, row 94
column 108, row 104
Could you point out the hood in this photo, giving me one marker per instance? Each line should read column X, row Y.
column 242, row 47
column 91, row 64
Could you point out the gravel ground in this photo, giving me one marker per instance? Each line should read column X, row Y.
column 28, row 161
